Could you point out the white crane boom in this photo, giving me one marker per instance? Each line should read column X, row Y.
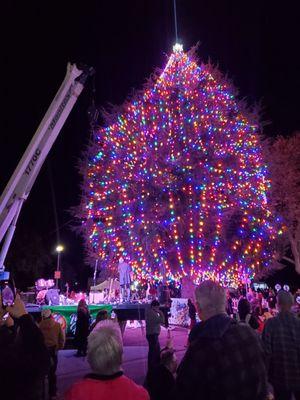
column 24, row 176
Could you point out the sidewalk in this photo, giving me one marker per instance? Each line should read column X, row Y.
column 71, row 368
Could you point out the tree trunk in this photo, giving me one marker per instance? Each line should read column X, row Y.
column 296, row 253
column 290, row 260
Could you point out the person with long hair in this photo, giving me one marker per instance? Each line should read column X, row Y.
column 102, row 315
column 82, row 328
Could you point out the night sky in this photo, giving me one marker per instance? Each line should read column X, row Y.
column 256, row 44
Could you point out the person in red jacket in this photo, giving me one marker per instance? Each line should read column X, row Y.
column 104, row 354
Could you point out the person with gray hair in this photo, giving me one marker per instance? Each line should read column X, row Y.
column 281, row 338
column 104, row 354
column 225, row 359
column 210, row 301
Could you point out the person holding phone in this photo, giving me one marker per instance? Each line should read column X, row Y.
column 8, row 295
column 24, row 360
column 7, row 289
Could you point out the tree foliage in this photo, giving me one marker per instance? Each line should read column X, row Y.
column 283, row 157
column 176, row 182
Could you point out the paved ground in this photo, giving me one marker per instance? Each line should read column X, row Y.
column 71, row 368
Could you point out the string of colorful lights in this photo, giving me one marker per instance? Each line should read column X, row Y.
column 176, row 183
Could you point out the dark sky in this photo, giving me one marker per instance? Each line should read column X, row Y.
column 256, row 43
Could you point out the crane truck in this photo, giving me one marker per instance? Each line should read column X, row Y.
column 18, row 188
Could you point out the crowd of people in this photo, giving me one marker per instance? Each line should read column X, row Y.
column 246, row 348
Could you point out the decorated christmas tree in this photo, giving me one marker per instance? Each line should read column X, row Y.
column 176, row 184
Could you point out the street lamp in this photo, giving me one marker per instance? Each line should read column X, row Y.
column 59, row 249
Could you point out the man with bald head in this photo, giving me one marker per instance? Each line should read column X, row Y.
column 281, row 338
column 224, row 359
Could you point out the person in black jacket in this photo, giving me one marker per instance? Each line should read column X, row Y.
column 82, row 328
column 192, row 313
column 229, row 306
column 160, row 381
column 244, row 314
column 24, row 359
column 164, row 298
column 225, row 360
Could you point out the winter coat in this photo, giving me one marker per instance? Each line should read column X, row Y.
column 160, row 383
column 24, row 360
column 281, row 338
column 224, row 360
column 153, row 320
column 82, row 327
column 53, row 333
